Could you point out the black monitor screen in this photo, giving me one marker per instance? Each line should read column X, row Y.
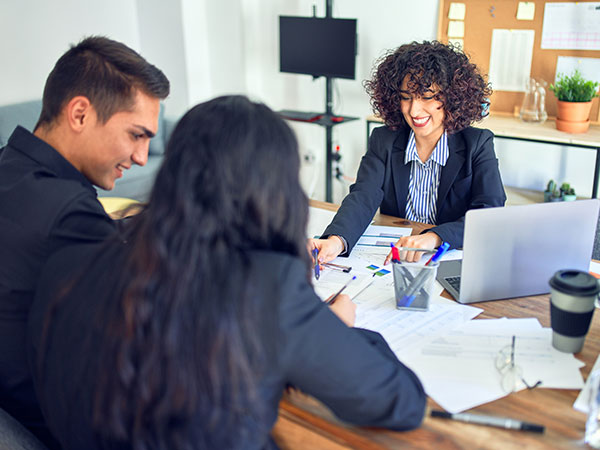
column 318, row 47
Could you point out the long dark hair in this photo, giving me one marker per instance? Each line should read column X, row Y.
column 182, row 341
column 463, row 90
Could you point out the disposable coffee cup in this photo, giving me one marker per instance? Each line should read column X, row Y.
column 572, row 301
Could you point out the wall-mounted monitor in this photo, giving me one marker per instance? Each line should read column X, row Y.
column 317, row 47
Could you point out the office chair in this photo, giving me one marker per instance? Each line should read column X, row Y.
column 15, row 436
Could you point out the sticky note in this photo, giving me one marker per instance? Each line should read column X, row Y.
column 456, row 28
column 526, row 11
column 458, row 42
column 457, row 11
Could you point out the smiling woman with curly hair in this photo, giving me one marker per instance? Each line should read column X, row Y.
column 427, row 163
column 459, row 87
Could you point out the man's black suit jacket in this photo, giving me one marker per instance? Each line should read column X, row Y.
column 469, row 180
column 45, row 205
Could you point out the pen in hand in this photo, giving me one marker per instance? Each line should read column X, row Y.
column 315, row 254
column 331, row 301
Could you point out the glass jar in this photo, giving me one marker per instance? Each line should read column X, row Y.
column 533, row 108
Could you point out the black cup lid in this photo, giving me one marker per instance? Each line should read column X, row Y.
column 575, row 282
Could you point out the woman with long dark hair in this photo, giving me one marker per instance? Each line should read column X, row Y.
column 184, row 332
column 427, row 164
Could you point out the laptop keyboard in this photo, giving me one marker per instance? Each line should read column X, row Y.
column 454, row 282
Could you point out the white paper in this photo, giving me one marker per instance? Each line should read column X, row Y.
column 526, row 11
column 510, row 59
column 383, row 231
column 457, row 11
column 331, row 281
column 318, row 219
column 456, row 28
column 571, row 26
column 376, row 310
column 589, row 67
column 458, row 369
column 583, row 399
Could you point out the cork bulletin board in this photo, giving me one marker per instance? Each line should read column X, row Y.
column 483, row 16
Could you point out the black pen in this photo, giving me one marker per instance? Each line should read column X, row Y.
column 345, row 269
column 332, row 299
column 492, row 421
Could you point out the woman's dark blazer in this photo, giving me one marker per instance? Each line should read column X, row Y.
column 351, row 370
column 469, row 180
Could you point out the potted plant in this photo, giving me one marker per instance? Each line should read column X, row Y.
column 567, row 193
column 550, row 188
column 574, row 94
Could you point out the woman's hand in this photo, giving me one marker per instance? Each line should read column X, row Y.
column 345, row 309
column 329, row 248
column 428, row 240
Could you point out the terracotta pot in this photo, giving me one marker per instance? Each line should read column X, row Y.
column 572, row 127
column 573, row 117
column 574, row 111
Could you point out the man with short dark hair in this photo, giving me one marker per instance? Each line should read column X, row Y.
column 100, row 109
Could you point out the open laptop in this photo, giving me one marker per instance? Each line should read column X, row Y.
column 513, row 251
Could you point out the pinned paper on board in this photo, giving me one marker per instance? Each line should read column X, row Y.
column 457, row 11
column 571, row 26
column 588, row 67
column 510, row 59
column 526, row 11
column 456, row 28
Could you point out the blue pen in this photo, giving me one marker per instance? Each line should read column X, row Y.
column 315, row 254
column 332, row 300
column 443, row 249
column 421, row 278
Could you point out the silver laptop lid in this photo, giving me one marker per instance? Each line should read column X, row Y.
column 513, row 251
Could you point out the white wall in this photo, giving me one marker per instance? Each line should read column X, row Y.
column 210, row 48
column 376, row 33
column 530, row 165
column 162, row 42
column 34, row 33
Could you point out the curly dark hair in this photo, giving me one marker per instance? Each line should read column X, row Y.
column 462, row 89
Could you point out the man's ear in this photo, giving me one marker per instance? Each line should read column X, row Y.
column 79, row 113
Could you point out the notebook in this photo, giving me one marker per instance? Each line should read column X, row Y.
column 513, row 251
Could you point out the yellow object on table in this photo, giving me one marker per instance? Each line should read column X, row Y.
column 115, row 205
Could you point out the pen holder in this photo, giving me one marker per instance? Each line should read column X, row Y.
column 413, row 285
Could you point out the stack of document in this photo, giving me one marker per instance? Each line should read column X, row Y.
column 458, row 368
column 454, row 356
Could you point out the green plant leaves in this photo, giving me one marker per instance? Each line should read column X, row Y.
column 574, row 88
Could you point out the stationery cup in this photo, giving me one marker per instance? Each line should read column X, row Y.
column 572, row 301
column 413, row 285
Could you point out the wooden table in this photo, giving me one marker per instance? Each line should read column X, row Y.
column 509, row 127
column 305, row 423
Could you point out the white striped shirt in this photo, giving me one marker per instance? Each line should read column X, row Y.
column 424, row 180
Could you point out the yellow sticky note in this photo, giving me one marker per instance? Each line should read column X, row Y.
column 526, row 11
column 459, row 42
column 457, row 11
column 456, row 28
